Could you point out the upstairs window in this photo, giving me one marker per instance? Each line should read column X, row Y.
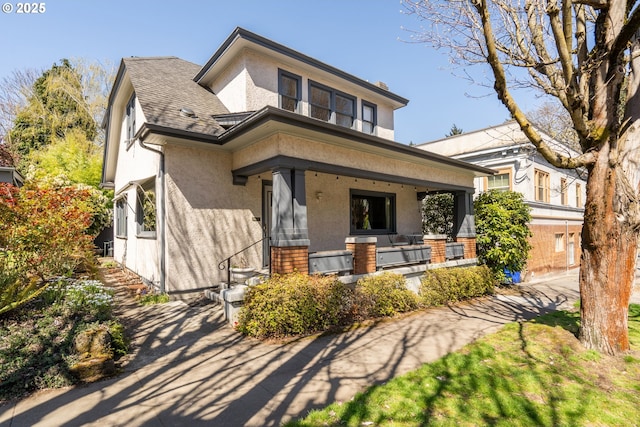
column 345, row 110
column 499, row 182
column 541, row 182
column 331, row 106
column 578, row 195
column 320, row 103
column 564, row 196
column 131, row 120
column 289, row 91
column 368, row 118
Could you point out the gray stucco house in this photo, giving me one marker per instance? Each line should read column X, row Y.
column 262, row 147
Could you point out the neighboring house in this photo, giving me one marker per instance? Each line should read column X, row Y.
column 266, row 148
column 10, row 175
column 556, row 196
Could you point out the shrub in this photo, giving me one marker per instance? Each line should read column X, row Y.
column 383, row 295
column 43, row 234
column 444, row 285
column 293, row 304
column 502, row 219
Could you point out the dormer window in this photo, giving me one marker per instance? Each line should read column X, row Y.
column 331, row 106
column 289, row 91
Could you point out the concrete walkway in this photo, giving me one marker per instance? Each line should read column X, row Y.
column 190, row 368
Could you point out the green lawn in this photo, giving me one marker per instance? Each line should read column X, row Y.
column 527, row 374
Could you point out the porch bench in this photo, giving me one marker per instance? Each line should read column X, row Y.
column 402, row 255
column 331, row 262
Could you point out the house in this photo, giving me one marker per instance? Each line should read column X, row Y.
column 556, row 196
column 8, row 173
column 264, row 155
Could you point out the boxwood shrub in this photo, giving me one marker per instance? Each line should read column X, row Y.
column 293, row 304
column 383, row 295
column 445, row 285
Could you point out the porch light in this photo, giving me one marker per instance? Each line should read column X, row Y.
column 319, row 195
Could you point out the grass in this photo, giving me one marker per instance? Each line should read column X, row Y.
column 527, row 374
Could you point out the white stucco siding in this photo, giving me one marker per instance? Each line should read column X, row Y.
column 231, row 86
column 208, row 218
column 340, row 155
column 250, row 82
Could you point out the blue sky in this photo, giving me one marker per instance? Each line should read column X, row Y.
column 362, row 37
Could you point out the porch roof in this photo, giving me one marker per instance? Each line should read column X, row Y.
column 241, row 175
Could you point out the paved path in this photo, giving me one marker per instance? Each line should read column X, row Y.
column 189, row 368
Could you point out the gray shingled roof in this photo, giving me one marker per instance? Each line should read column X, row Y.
column 164, row 85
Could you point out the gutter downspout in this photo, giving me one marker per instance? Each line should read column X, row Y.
column 163, row 273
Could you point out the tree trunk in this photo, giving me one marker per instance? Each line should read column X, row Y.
column 607, row 271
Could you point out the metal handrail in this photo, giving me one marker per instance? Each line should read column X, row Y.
column 226, row 263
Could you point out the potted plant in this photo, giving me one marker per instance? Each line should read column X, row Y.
column 241, row 271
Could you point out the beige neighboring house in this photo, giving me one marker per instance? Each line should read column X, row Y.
column 262, row 148
column 556, row 196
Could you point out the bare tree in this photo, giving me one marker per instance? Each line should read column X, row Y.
column 585, row 53
column 552, row 119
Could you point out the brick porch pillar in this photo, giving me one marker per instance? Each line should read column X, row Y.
column 469, row 246
column 438, row 243
column 287, row 259
column 364, row 253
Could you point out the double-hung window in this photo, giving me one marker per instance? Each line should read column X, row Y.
column 564, row 192
column 541, row 182
column 331, row 106
column 368, row 118
column 372, row 212
column 289, row 91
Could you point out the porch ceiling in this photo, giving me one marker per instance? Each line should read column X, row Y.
column 241, row 175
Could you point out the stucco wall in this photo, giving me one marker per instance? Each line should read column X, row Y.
column 326, row 152
column 208, row 218
column 250, row 82
column 329, row 215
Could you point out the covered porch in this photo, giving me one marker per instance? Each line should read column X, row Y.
column 327, row 218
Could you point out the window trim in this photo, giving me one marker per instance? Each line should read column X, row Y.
column 378, row 231
column 130, row 114
column 122, row 218
column 332, row 104
column 559, row 242
column 140, row 231
column 579, row 203
column 545, row 187
column 507, row 171
column 283, row 73
column 374, row 122
column 564, row 192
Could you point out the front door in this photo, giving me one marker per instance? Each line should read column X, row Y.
column 267, row 202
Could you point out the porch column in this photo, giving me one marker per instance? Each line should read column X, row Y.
column 464, row 222
column 364, row 253
column 289, row 232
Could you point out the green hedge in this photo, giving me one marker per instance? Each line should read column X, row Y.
column 445, row 285
column 293, row 304
column 383, row 295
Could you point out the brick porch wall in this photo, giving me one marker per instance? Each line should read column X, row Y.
column 287, row 259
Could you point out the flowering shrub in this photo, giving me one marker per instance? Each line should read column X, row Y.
column 89, row 298
column 43, row 234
